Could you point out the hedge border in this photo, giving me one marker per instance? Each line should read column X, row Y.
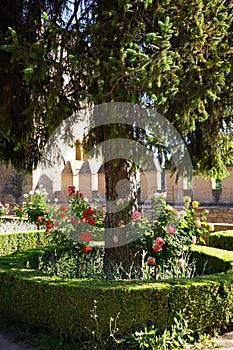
column 61, row 306
column 18, row 241
column 212, row 260
column 222, row 239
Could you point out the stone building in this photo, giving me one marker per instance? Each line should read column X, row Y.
column 78, row 171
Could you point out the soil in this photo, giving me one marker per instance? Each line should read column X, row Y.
column 222, row 342
column 226, row 341
column 8, row 343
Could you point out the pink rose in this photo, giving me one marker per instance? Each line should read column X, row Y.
column 74, row 220
column 159, row 241
column 156, row 247
column 194, row 239
column 120, row 223
column 135, row 215
column 198, row 223
column 150, row 260
column 181, row 263
column 171, row 230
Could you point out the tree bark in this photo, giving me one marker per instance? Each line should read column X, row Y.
column 121, row 258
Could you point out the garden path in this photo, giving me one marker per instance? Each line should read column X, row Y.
column 221, row 342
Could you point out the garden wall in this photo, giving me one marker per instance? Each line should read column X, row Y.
column 218, row 214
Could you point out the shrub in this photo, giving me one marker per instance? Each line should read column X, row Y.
column 18, row 241
column 222, row 240
column 61, row 306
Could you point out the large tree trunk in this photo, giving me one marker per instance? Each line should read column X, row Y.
column 121, row 253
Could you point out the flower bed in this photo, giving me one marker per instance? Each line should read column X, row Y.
column 163, row 241
column 61, row 306
column 34, row 289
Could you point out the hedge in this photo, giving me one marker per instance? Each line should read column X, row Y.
column 62, row 306
column 212, row 260
column 18, row 241
column 222, row 240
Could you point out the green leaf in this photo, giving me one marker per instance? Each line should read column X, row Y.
column 45, row 16
column 28, row 70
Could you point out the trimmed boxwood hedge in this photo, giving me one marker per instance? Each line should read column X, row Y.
column 222, row 240
column 62, row 306
column 18, row 241
column 212, row 260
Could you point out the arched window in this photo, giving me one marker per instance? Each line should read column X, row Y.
column 79, row 150
column 216, row 184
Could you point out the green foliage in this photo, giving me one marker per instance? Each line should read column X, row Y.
column 18, row 241
column 60, row 306
column 169, row 237
column 24, row 122
column 221, row 240
column 4, row 209
column 212, row 260
column 72, row 261
column 34, row 207
column 152, row 338
column 173, row 56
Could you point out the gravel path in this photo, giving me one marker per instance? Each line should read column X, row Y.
column 224, row 342
column 221, row 342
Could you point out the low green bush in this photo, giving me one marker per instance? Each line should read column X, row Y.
column 63, row 306
column 211, row 260
column 17, row 241
column 222, row 240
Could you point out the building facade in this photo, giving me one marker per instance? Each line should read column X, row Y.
column 90, row 180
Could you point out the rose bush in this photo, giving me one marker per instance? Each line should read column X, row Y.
column 163, row 239
column 170, row 235
column 35, row 207
column 4, row 209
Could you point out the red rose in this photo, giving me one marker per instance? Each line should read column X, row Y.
column 171, row 230
column 159, row 241
column 86, row 236
column 49, row 226
column 71, row 190
column 39, row 219
column 150, row 260
column 86, row 248
column 63, row 208
column 91, row 221
column 87, row 212
column 157, row 247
